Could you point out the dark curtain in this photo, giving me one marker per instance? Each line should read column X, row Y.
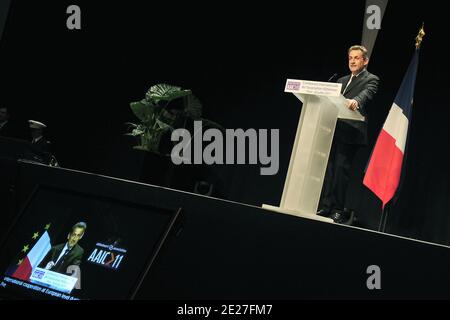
column 236, row 61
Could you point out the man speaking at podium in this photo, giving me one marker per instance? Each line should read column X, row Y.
column 66, row 254
column 360, row 88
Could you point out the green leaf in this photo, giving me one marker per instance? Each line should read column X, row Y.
column 137, row 132
column 142, row 109
column 131, row 124
column 165, row 92
column 167, row 117
column 163, row 126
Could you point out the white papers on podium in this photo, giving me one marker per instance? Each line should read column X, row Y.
column 53, row 280
column 329, row 89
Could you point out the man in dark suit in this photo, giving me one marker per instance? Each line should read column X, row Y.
column 360, row 88
column 66, row 254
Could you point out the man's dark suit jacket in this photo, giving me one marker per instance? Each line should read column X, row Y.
column 72, row 258
column 362, row 89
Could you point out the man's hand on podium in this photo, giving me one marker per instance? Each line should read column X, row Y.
column 352, row 104
column 49, row 265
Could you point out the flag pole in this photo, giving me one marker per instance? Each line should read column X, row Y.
column 381, row 219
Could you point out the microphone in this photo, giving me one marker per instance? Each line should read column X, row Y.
column 332, row 77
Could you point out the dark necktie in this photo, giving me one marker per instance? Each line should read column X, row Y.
column 61, row 260
column 348, row 84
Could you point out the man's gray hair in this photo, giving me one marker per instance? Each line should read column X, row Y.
column 81, row 225
column 360, row 48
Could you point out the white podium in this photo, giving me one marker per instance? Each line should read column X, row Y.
column 322, row 106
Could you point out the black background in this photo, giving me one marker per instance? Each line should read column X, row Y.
column 236, row 59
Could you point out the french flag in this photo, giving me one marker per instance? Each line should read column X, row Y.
column 33, row 258
column 385, row 165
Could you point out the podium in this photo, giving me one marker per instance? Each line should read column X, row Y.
column 323, row 104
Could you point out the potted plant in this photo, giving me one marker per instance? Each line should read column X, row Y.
column 164, row 108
